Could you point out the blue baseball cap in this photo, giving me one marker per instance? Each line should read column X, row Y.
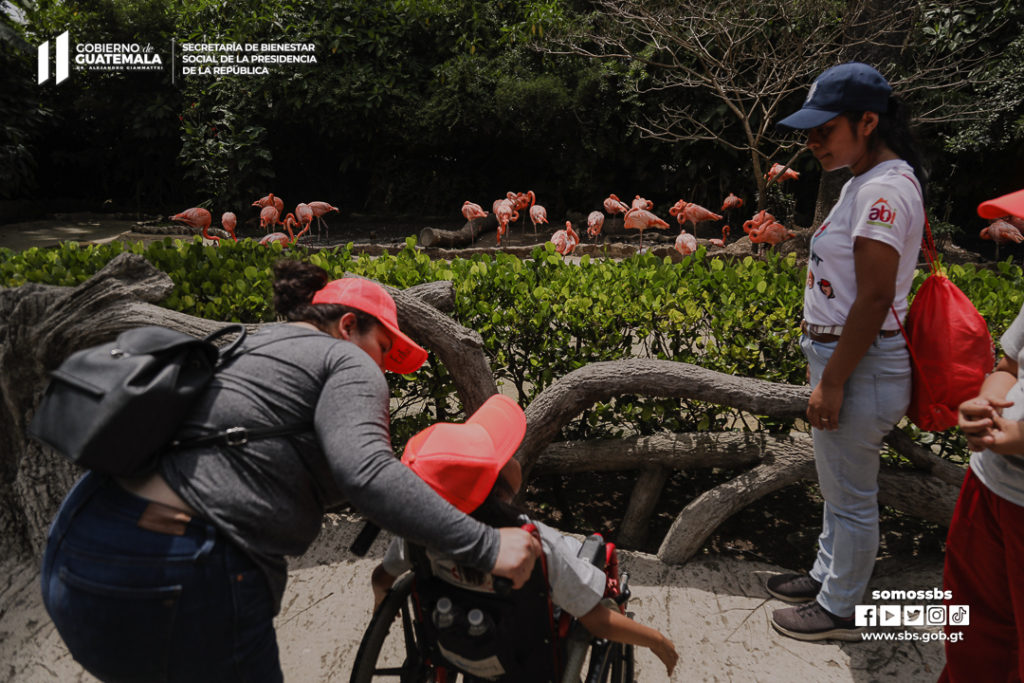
column 848, row 87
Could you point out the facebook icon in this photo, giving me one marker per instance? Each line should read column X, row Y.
column 865, row 615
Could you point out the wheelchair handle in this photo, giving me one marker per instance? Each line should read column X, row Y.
column 503, row 586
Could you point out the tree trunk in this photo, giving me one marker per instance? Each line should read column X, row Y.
column 829, row 186
column 467, row 234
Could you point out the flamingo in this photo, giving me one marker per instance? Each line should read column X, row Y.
column 538, row 214
column 196, row 217
column 280, row 237
column 565, row 241
column 732, row 202
column 269, row 216
column 771, row 233
column 522, row 200
column 785, row 172
column 641, row 203
column 320, row 209
column 1001, row 232
column 228, row 221
column 471, row 210
column 270, row 200
column 303, row 216
column 504, row 211
column 595, row 221
column 642, row 219
column 614, row 205
column 725, row 236
column 686, row 243
column 760, row 218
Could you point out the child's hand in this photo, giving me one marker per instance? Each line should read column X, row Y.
column 1006, row 437
column 666, row 652
column 976, row 419
column 381, row 582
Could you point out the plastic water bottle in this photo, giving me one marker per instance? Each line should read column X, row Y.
column 477, row 623
column 444, row 614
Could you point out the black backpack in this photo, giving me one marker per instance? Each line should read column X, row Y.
column 115, row 407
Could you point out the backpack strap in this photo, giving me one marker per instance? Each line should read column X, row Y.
column 238, row 436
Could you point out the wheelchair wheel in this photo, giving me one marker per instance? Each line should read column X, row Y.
column 389, row 649
column 610, row 663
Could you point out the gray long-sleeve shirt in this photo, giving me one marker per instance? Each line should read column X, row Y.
column 269, row 495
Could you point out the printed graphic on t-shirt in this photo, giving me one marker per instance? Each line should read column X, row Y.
column 826, row 288
column 881, row 214
column 810, row 279
column 821, row 229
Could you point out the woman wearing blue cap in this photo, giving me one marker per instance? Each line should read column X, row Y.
column 866, row 250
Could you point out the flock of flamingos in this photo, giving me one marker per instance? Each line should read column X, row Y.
column 762, row 227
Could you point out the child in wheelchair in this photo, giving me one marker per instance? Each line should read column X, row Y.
column 476, row 628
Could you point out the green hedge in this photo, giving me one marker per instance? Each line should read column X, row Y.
column 542, row 318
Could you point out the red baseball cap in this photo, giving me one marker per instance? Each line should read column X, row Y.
column 1008, row 205
column 462, row 461
column 367, row 296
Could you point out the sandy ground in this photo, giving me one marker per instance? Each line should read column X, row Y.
column 715, row 611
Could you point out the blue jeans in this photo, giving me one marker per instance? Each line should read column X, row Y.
column 875, row 397
column 139, row 605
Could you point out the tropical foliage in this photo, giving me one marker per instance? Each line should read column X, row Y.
column 541, row 318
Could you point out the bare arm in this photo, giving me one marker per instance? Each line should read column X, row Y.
column 611, row 625
column 875, row 264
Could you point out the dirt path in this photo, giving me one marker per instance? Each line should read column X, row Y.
column 715, row 610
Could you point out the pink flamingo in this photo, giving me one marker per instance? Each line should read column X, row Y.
column 228, row 221
column 695, row 213
column 642, row 219
column 686, row 243
column 614, row 205
column 196, row 217
column 1001, row 231
column 538, row 214
column 471, row 210
column 565, row 241
column 725, row 236
column 270, row 200
column 785, row 172
column 504, row 211
column 303, row 216
column 595, row 221
column 280, row 237
column 771, row 233
column 641, row 203
column 760, row 218
column 321, row 209
column 269, row 217
column 732, row 202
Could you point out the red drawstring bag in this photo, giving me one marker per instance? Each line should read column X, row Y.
column 950, row 345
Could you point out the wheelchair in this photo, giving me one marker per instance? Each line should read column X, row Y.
column 529, row 641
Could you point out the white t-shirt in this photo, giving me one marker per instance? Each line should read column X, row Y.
column 576, row 584
column 883, row 204
column 1004, row 474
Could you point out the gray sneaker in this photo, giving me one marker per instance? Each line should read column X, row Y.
column 814, row 622
column 793, row 587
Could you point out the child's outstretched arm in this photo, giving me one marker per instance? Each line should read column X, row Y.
column 978, row 416
column 612, row 625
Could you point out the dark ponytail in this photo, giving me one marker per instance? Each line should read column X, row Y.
column 295, row 283
column 895, row 131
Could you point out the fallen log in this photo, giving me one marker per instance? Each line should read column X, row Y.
column 467, row 234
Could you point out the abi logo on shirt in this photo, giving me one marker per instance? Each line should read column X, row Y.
column 881, row 214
